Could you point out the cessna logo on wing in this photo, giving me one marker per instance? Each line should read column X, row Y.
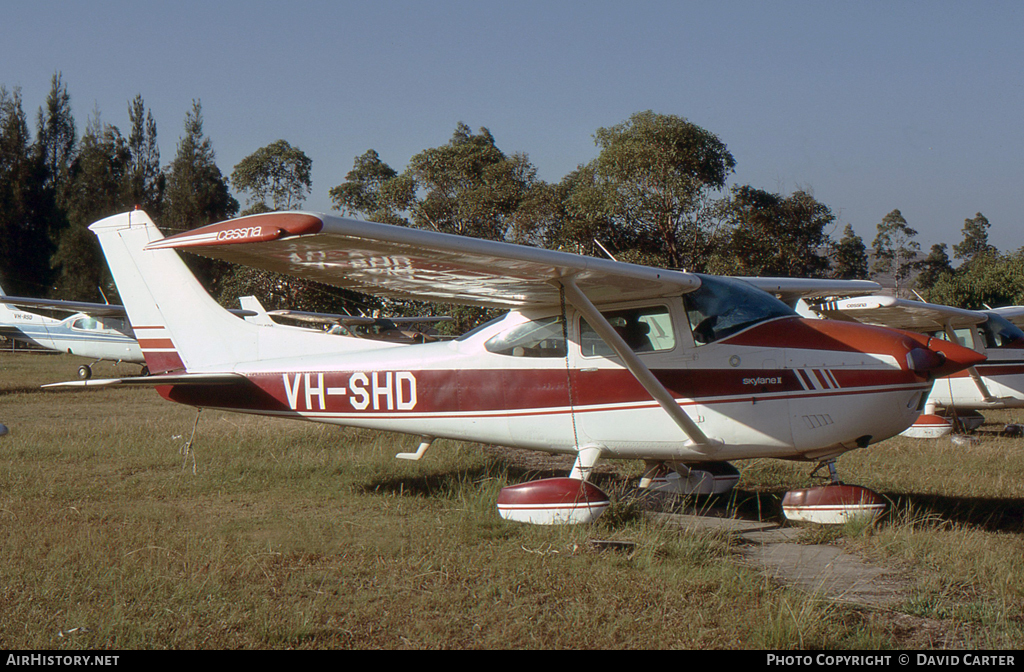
column 243, row 232
column 376, row 390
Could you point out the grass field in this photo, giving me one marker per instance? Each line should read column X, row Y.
column 278, row 534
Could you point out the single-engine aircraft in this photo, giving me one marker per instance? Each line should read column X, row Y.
column 98, row 331
column 998, row 382
column 595, row 358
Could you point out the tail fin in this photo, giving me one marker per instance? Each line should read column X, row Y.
column 6, row 311
column 252, row 304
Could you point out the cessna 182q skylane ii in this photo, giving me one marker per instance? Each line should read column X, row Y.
column 998, row 382
column 596, row 358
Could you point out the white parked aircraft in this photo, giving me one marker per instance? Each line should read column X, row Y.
column 595, row 358
column 95, row 330
column 394, row 329
column 997, row 382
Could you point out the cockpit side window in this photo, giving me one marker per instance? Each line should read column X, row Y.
column 723, row 306
column 647, row 329
column 537, row 338
column 999, row 332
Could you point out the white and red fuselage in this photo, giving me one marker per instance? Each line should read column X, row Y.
column 787, row 388
column 773, row 385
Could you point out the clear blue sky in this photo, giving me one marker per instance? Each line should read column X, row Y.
column 870, row 106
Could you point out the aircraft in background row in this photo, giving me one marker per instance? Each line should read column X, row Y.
column 100, row 331
column 392, row 329
column 596, row 358
column 998, row 382
column 97, row 331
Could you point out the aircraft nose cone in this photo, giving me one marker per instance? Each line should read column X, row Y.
column 941, row 358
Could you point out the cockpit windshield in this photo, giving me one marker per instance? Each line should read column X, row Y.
column 999, row 331
column 723, row 306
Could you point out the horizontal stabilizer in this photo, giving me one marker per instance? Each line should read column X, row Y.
column 161, row 379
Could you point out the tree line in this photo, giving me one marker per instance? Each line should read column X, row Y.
column 655, row 194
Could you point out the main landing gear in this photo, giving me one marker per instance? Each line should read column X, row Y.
column 832, row 504
column 571, row 500
column 560, row 501
column 557, row 501
column 85, row 370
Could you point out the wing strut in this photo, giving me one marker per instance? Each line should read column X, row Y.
column 973, row 371
column 639, row 370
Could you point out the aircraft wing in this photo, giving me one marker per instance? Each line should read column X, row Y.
column 321, row 318
column 422, row 319
column 93, row 309
column 888, row 311
column 355, row 320
column 791, row 290
column 404, row 263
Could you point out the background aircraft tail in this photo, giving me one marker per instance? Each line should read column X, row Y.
column 252, row 304
column 6, row 311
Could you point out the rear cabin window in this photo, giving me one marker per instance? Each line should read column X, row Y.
column 537, row 338
column 646, row 329
column 86, row 324
column 964, row 336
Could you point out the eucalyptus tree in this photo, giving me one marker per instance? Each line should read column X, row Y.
column 275, row 177
column 768, row 234
column 375, row 190
column 470, row 187
column 975, row 239
column 895, row 250
column 656, row 176
column 467, row 187
column 997, row 282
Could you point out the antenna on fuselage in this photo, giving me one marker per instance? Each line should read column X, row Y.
column 604, row 249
